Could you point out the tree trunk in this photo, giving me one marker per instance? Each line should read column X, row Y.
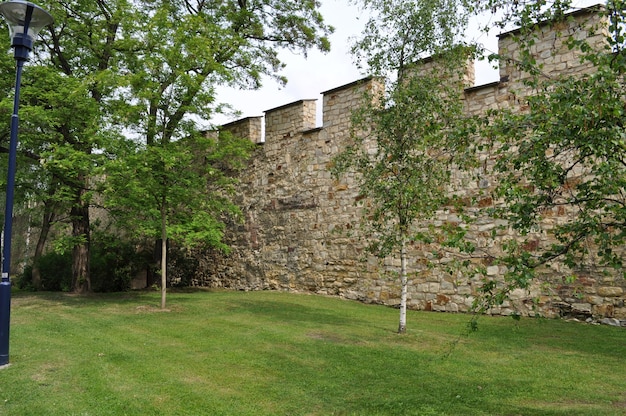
column 404, row 284
column 81, row 282
column 163, row 255
column 46, row 224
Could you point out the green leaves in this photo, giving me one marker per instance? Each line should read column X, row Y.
column 400, row 33
column 555, row 163
column 560, row 163
column 179, row 55
column 404, row 163
column 190, row 180
column 405, row 141
column 110, row 74
column 573, row 157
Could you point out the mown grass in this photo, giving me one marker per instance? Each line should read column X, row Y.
column 269, row 353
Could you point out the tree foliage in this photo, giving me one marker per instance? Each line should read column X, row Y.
column 564, row 155
column 560, row 153
column 111, row 72
column 405, row 140
column 181, row 51
column 179, row 192
column 400, row 33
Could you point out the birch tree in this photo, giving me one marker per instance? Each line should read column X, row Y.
column 405, row 142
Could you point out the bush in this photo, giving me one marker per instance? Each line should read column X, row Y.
column 182, row 266
column 56, row 273
column 113, row 264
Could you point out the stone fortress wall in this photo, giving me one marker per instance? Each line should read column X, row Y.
column 301, row 229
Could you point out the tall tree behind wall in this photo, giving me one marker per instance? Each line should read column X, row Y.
column 406, row 141
column 184, row 51
column 144, row 68
column 64, row 127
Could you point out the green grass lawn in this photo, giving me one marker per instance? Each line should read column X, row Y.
column 269, row 353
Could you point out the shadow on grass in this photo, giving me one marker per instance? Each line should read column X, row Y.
column 73, row 299
column 280, row 311
column 551, row 335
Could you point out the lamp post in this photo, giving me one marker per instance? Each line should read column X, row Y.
column 25, row 20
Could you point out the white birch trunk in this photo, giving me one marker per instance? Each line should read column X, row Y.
column 404, row 284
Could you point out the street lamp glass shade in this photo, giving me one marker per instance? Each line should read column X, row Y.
column 16, row 14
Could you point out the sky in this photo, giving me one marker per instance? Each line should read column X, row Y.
column 319, row 72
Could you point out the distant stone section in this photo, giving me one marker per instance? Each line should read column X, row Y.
column 301, row 229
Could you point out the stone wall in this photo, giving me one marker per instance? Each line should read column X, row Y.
column 301, row 229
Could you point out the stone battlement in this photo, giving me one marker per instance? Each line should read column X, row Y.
column 301, row 225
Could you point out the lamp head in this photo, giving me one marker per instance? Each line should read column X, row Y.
column 25, row 20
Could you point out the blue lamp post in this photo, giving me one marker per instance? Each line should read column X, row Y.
column 25, row 20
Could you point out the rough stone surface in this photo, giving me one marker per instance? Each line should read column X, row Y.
column 611, row 321
column 301, row 229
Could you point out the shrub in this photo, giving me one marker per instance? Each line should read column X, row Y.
column 115, row 262
column 56, row 273
column 182, row 266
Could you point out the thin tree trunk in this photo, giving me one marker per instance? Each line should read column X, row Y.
column 163, row 255
column 46, row 225
column 81, row 282
column 404, row 284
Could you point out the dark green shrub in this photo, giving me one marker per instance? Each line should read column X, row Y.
column 56, row 273
column 182, row 266
column 24, row 280
column 115, row 262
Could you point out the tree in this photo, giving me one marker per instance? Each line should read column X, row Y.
column 179, row 192
column 30, row 178
column 172, row 78
column 65, row 128
column 564, row 154
column 406, row 141
column 181, row 51
column 67, row 146
column 147, row 70
column 560, row 152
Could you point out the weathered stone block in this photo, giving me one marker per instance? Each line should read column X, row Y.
column 594, row 300
column 464, row 290
column 620, row 313
column 581, row 308
column 447, row 288
column 603, row 310
column 518, row 294
column 493, row 270
column 452, row 307
column 610, row 291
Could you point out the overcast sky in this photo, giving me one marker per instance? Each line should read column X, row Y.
column 319, row 72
